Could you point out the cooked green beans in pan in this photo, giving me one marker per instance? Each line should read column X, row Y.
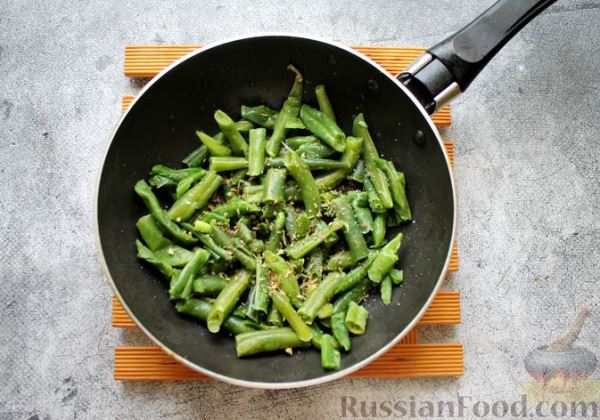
column 276, row 227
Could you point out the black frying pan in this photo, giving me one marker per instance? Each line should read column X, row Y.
column 160, row 124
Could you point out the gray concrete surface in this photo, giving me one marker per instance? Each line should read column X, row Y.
column 527, row 166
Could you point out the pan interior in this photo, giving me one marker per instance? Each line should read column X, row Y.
column 160, row 128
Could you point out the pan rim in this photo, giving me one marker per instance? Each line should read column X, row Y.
column 291, row 384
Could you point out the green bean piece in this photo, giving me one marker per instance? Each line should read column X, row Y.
column 254, row 342
column 274, row 241
column 290, row 109
column 182, row 286
column 385, row 290
column 354, row 276
column 227, row 299
column 159, row 181
column 312, row 163
column 284, row 272
column 210, row 243
column 244, row 126
column 250, row 311
column 253, row 193
column 147, row 255
column 195, row 198
column 370, row 154
column 174, row 175
column 185, row 184
column 282, row 303
column 302, row 225
column 326, row 311
column 319, row 297
column 351, row 154
column 303, row 177
column 306, row 245
column 379, row 229
column 274, row 317
column 260, row 302
column 385, row 260
column 352, row 231
column 316, row 150
column 201, row 226
column 324, row 103
column 339, row 330
column 243, row 231
column 356, row 294
column 397, row 276
column 374, row 199
column 265, row 117
column 291, row 223
column 314, row 267
column 200, row 308
column 298, row 141
column 239, row 310
column 363, row 214
column 396, row 182
column 222, row 239
column 196, row 158
column 209, row 285
column 332, row 239
column 174, row 255
column 256, row 151
column 330, row 356
column 358, row 174
column 227, row 163
column 340, row 261
column 235, row 139
column 214, row 147
column 323, row 127
column 151, row 233
column 273, row 183
column 145, row 192
column 356, row 318
column 236, row 207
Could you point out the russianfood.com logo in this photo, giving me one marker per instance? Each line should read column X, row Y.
column 561, row 386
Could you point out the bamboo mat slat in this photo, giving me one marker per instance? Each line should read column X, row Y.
column 445, row 309
column 401, row 361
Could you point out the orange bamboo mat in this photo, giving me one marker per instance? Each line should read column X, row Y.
column 149, row 60
column 408, row 359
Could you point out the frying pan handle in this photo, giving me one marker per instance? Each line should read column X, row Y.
column 448, row 68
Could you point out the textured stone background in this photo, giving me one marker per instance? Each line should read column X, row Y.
column 527, row 166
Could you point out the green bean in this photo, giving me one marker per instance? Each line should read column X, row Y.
column 296, row 142
column 149, row 256
column 227, row 163
column 196, row 158
column 174, row 175
column 274, row 241
column 356, row 319
column 200, row 309
column 235, row 139
column 291, row 223
column 330, row 356
column 324, row 103
column 352, row 232
column 374, row 199
column 239, row 310
column 355, row 294
column 306, row 245
column 235, row 207
column 358, row 174
column 185, row 184
column 250, row 310
column 317, row 150
column 323, row 127
column 302, row 225
column 174, row 255
column 159, row 181
column 182, row 286
column 282, row 303
column 214, row 147
column 340, row 260
column 227, row 299
column 351, row 154
column 274, row 317
column 244, row 125
column 253, row 193
column 210, row 243
column 284, row 272
column 260, row 302
column 332, row 239
column 223, row 240
column 151, row 233
column 290, row 109
column 354, row 276
column 303, row 177
column 385, row 260
column 273, row 183
column 339, row 330
column 201, row 226
column 208, row 285
column 195, row 198
column 379, row 228
column 326, row 311
column 178, row 233
column 397, row 276
column 363, row 215
column 256, row 151
column 265, row 341
column 265, row 117
column 369, row 154
column 314, row 267
column 312, row 163
column 385, row 290
column 319, row 297
column 396, row 182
